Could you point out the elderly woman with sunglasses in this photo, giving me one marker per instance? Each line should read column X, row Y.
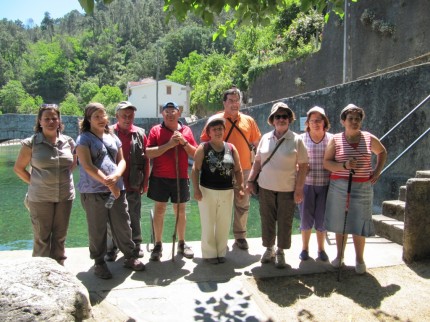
column 351, row 151
column 281, row 163
column 49, row 154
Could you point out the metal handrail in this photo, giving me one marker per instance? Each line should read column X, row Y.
column 407, row 115
column 406, row 150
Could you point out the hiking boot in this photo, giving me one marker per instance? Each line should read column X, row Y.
column 360, row 268
column 102, row 271
column 157, row 252
column 322, row 256
column 304, row 255
column 212, row 260
column 134, row 264
column 111, row 255
column 242, row 243
column 185, row 250
column 221, row 260
column 280, row 259
column 268, row 256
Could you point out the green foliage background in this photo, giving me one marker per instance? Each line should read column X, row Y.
column 81, row 58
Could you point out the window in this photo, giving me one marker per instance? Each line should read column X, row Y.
column 169, row 90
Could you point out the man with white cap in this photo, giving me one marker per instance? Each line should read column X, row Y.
column 136, row 173
column 170, row 144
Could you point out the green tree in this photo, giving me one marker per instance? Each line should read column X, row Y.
column 11, row 96
column 87, row 91
column 30, row 105
column 70, row 106
column 109, row 96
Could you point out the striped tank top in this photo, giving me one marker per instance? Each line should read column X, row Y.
column 361, row 152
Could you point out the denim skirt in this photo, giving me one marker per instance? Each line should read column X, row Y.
column 359, row 216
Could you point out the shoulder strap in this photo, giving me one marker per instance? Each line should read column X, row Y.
column 237, row 128
column 273, row 152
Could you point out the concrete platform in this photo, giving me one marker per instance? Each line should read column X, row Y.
column 190, row 290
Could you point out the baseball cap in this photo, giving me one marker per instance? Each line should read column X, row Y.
column 171, row 104
column 123, row 105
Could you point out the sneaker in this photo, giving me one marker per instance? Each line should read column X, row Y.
column 280, row 259
column 185, row 250
column 360, row 268
column 322, row 256
column 242, row 243
column 111, row 255
column 268, row 256
column 304, row 255
column 157, row 252
column 134, row 264
column 102, row 271
column 221, row 260
column 337, row 262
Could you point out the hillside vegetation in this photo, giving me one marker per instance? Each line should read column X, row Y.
column 81, row 58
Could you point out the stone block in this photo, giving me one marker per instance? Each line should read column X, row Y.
column 389, row 228
column 394, row 209
column 39, row 289
column 416, row 244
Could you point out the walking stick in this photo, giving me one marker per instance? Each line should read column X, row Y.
column 178, row 202
column 348, row 194
column 152, row 239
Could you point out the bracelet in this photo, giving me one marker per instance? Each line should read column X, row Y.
column 344, row 165
column 185, row 144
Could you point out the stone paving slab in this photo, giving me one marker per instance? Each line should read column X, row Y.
column 190, row 290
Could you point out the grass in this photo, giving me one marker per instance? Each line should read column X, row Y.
column 15, row 225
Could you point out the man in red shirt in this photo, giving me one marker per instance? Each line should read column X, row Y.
column 136, row 173
column 169, row 146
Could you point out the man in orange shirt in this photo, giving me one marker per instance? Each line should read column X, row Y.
column 242, row 131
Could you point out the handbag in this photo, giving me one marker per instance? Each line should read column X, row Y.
column 257, row 186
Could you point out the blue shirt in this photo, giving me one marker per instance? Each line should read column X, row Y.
column 103, row 155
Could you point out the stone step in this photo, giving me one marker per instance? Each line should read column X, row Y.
column 394, row 209
column 402, row 193
column 422, row 174
column 389, row 228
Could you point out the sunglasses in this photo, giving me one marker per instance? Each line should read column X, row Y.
column 283, row 116
column 48, row 106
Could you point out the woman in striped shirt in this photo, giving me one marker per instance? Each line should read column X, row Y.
column 352, row 149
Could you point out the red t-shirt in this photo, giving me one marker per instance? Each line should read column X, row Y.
column 164, row 166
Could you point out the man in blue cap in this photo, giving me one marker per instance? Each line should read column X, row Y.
column 170, row 144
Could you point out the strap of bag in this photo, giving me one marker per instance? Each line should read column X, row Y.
column 273, row 152
column 108, row 151
column 237, row 128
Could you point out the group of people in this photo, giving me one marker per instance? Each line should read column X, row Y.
column 233, row 162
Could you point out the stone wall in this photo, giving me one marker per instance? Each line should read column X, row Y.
column 368, row 49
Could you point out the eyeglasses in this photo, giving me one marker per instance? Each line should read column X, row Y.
column 317, row 121
column 279, row 116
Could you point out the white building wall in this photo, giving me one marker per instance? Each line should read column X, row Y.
column 144, row 97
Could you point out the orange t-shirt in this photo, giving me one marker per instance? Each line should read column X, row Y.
column 249, row 128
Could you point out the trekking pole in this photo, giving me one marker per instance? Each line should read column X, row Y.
column 348, row 194
column 152, row 237
column 178, row 195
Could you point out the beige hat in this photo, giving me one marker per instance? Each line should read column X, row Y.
column 316, row 109
column 215, row 118
column 123, row 105
column 351, row 107
column 276, row 107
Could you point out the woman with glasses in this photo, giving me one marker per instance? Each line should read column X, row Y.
column 351, row 151
column 312, row 209
column 46, row 162
column 281, row 163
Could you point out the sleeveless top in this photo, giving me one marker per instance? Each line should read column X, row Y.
column 217, row 168
column 361, row 151
column 317, row 175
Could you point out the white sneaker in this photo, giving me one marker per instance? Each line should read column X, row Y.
column 360, row 268
column 337, row 262
column 268, row 255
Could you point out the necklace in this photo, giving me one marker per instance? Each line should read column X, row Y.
column 353, row 138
